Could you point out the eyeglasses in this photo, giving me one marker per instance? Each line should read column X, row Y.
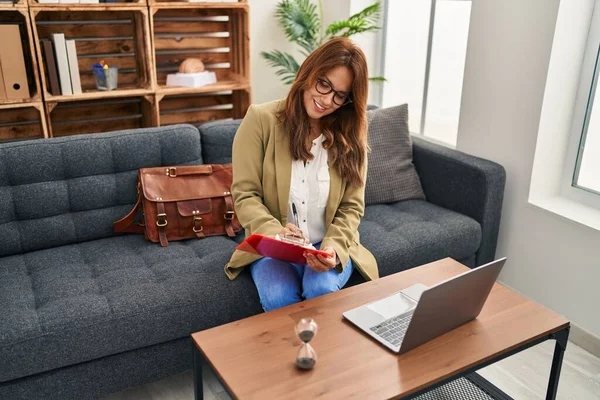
column 324, row 87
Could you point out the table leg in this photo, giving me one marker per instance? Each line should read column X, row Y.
column 561, row 338
column 198, row 360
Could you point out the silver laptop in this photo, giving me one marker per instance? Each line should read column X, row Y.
column 417, row 314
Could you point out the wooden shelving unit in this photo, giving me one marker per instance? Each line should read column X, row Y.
column 120, row 36
column 218, row 34
column 22, row 121
column 101, row 115
column 146, row 39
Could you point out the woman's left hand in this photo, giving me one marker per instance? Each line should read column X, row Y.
column 320, row 263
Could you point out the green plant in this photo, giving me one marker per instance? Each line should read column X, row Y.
column 301, row 23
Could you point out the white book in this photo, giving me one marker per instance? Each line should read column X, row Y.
column 192, row 80
column 73, row 66
column 89, row 1
column 62, row 63
column 68, row 1
column 48, row 1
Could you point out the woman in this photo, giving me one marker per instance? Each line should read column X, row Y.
column 304, row 158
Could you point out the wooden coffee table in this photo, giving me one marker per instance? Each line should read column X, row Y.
column 254, row 358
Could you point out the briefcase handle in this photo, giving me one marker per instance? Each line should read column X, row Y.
column 189, row 170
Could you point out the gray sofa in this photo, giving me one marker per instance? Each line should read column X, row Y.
column 84, row 312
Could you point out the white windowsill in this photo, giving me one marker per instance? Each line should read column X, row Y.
column 434, row 141
column 570, row 209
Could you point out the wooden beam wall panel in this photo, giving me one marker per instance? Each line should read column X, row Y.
column 21, row 123
column 190, row 42
column 96, row 30
column 74, row 16
column 190, row 26
column 190, row 12
column 194, row 117
column 165, row 59
column 88, row 47
column 124, row 63
column 197, row 101
column 95, row 110
column 77, row 128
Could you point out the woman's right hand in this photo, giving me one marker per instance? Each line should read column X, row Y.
column 291, row 229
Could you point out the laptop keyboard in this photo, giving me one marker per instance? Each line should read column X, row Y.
column 393, row 329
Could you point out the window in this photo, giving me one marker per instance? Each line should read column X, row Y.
column 587, row 167
column 582, row 172
column 425, row 46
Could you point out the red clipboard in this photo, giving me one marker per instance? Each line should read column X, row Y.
column 270, row 247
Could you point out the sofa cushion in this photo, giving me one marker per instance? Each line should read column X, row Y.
column 67, row 190
column 80, row 302
column 409, row 233
column 391, row 175
column 217, row 140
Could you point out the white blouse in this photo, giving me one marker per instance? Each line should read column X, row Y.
column 309, row 191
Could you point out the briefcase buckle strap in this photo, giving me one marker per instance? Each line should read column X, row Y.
column 198, row 227
column 171, row 172
column 161, row 219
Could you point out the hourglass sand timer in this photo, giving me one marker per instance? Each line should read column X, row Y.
column 306, row 329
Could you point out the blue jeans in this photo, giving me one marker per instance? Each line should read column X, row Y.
column 280, row 283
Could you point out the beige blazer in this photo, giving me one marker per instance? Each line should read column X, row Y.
column 262, row 172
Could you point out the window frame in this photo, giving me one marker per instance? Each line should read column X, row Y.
column 588, row 84
column 426, row 76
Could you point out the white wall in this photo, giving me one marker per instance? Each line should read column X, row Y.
column 266, row 35
column 551, row 259
column 371, row 45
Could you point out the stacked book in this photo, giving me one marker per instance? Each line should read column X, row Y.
column 61, row 65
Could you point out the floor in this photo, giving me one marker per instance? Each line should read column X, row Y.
column 522, row 376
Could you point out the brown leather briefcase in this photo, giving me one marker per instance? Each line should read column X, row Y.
column 183, row 202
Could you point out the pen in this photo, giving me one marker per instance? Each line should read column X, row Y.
column 295, row 215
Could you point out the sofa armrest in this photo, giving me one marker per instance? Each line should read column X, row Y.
column 466, row 184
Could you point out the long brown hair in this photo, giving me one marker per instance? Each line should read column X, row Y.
column 345, row 129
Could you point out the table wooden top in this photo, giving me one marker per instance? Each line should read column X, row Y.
column 255, row 357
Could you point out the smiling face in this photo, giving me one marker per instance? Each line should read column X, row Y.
column 318, row 105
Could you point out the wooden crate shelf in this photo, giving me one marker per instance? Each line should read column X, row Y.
column 120, row 37
column 20, row 16
column 200, row 108
column 147, row 40
column 22, row 121
column 217, row 36
column 103, row 115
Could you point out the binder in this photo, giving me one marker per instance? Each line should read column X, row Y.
column 51, row 67
column 14, row 73
column 73, row 66
column 62, row 63
column 281, row 250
